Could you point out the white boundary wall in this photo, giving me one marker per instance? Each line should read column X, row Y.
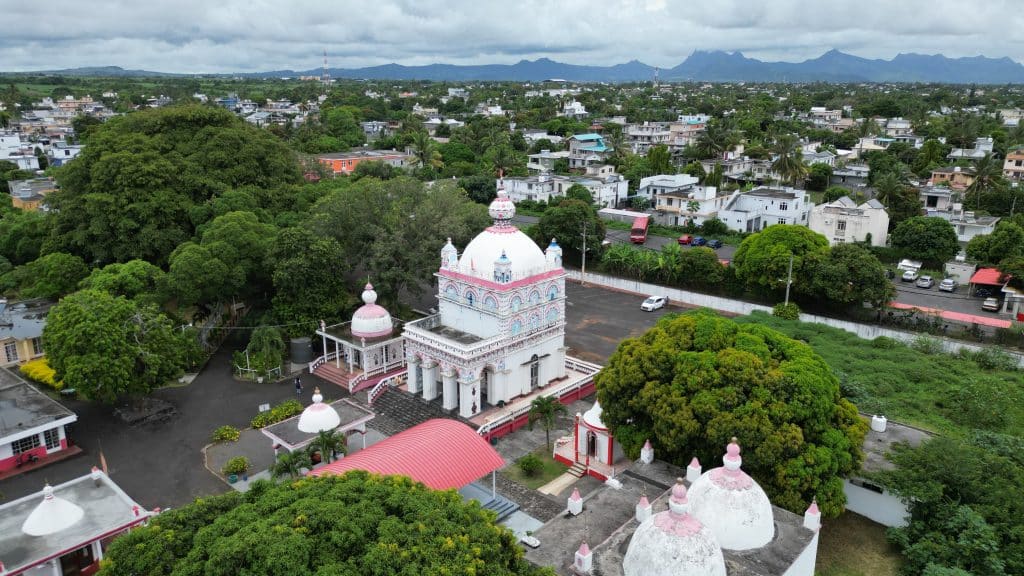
column 867, row 331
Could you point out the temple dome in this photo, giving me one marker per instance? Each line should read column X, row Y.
column 592, row 417
column 487, row 248
column 673, row 542
column 52, row 515
column 733, row 505
column 371, row 320
column 318, row 416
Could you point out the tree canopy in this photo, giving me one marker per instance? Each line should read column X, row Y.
column 353, row 525
column 927, row 238
column 849, row 274
column 695, row 380
column 1005, row 243
column 762, row 260
column 565, row 222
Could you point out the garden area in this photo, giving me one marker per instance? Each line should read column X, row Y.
column 535, row 469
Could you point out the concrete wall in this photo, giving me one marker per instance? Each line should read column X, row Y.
column 676, row 295
column 884, row 508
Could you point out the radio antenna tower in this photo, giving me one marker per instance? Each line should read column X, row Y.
column 655, row 77
column 325, row 76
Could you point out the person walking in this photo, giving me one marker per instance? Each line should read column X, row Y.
column 298, row 386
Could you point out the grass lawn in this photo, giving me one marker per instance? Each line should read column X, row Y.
column 852, row 545
column 939, row 392
column 548, row 472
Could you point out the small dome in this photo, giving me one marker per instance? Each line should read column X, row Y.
column 318, row 416
column 674, row 542
column 371, row 320
column 502, row 209
column 592, row 417
column 733, row 505
column 449, row 255
column 52, row 515
column 554, row 253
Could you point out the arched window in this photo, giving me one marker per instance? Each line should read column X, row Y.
column 534, row 372
column 470, row 297
column 534, row 321
column 552, row 315
column 535, row 297
column 552, row 292
column 517, row 303
column 490, row 303
column 451, row 291
column 517, row 326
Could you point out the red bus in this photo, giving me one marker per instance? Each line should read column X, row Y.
column 638, row 235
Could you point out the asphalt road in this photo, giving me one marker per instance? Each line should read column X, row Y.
column 958, row 301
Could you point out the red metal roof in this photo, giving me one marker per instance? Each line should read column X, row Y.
column 440, row 453
column 987, row 276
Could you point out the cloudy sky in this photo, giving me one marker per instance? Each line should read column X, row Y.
column 256, row 35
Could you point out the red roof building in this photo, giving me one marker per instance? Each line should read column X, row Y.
column 440, row 453
column 989, row 276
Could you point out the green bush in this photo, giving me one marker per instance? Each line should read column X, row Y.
column 282, row 411
column 236, row 465
column 926, row 345
column 786, row 311
column 714, row 226
column 226, row 434
column 885, row 343
column 530, row 464
column 990, row 358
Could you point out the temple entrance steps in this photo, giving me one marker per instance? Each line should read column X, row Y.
column 399, row 410
column 331, row 373
column 578, row 469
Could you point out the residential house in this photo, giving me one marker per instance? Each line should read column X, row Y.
column 30, row 195
column 346, row 162
column 606, row 187
column 159, row 101
column 956, row 177
column 587, row 149
column 642, row 137
column 912, row 140
column 534, row 135
column 696, row 204
column 897, row 127
column 821, row 116
column 764, row 206
column 424, row 111
column 982, row 146
column 652, row 186
column 824, row 157
column 32, row 425
column 1013, row 166
column 434, row 123
column 489, row 110
column 842, row 125
column 458, row 93
column 850, row 176
column 61, row 153
column 684, row 132
column 573, row 109
column 844, row 221
column 938, row 198
column 21, row 330
column 374, row 129
column 545, row 160
column 968, row 225
column 871, row 144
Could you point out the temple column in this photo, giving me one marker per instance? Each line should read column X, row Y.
column 429, row 380
column 469, row 398
column 450, row 390
column 412, row 363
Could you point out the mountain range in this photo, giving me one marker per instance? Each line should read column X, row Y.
column 710, row 66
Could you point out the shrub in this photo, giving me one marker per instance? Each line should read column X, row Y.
column 236, row 465
column 786, row 311
column 981, row 404
column 530, row 464
column 926, row 345
column 991, row 358
column 885, row 343
column 39, row 370
column 226, row 434
column 282, row 411
column 713, row 226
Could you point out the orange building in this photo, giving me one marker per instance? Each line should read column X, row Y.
column 346, row 162
column 955, row 177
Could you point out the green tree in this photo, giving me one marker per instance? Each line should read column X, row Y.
column 696, row 379
column 290, row 464
column 545, row 409
column 565, row 222
column 818, row 177
column 833, row 193
column 579, row 192
column 789, row 160
column 84, row 125
column 929, row 239
column 425, row 154
column 135, row 279
column 108, row 347
column 1005, row 242
column 357, row 523
column 329, row 443
column 660, row 160
column 51, row 276
column 265, row 350
column 309, row 280
column 762, row 260
column 718, row 137
column 343, row 123
column 849, row 274
column 988, row 177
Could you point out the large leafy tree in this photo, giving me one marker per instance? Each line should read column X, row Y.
column 849, row 274
column 108, row 347
column 354, row 524
column 135, row 279
column 51, row 276
column 565, row 223
column 131, row 193
column 789, row 161
column 695, row 380
column 309, row 280
column 544, row 409
column 1006, row 242
column 762, row 260
column 927, row 238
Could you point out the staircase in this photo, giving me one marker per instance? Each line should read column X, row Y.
column 502, row 507
column 340, row 376
column 578, row 470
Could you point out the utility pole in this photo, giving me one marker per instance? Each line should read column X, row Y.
column 583, row 269
column 789, row 278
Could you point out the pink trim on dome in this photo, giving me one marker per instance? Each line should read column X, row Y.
column 376, row 334
column 682, row 525
column 584, row 549
column 485, row 283
column 502, row 229
column 370, row 312
column 575, row 495
column 644, row 503
column 318, row 407
column 813, row 508
column 732, row 451
column 731, row 479
column 694, row 463
column 679, row 492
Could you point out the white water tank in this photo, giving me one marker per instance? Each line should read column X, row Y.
column 878, row 423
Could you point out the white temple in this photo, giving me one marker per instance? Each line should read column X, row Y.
column 500, row 329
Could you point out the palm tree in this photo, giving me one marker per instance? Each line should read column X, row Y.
column 290, row 464
column 544, row 409
column 328, row 443
column 716, row 139
column 789, row 160
column 425, row 153
column 988, row 176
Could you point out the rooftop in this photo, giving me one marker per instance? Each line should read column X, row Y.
column 24, row 320
column 37, row 187
column 23, row 408
column 107, row 509
column 361, row 154
column 877, row 445
column 287, row 431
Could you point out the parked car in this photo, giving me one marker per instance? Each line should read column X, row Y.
column 653, row 303
column 947, row 285
column 699, row 241
column 685, row 239
column 716, row 244
column 990, row 304
column 910, row 276
column 925, row 282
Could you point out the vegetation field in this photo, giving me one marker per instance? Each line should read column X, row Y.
column 916, row 385
column 548, row 472
column 852, row 545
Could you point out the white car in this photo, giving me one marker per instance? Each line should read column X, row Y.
column 653, row 303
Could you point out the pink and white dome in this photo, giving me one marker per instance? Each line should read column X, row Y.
column 318, row 417
column 502, row 238
column 733, row 505
column 371, row 320
column 673, row 542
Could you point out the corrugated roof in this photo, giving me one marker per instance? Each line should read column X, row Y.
column 440, row 453
column 987, row 276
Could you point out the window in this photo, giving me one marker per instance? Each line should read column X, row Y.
column 37, row 346
column 534, row 372
column 783, row 206
column 781, row 221
column 11, row 350
column 841, row 225
column 52, row 438
column 25, row 444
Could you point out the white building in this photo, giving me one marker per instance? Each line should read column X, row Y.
column 651, row 186
column 573, row 109
column 500, row 330
column 762, row 207
column 982, row 146
column 587, row 149
column 606, row 187
column 545, row 160
column 676, row 208
column 642, row 137
column 844, row 221
column 61, row 153
column 32, row 425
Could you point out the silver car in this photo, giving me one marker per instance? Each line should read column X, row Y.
column 947, row 285
column 925, row 282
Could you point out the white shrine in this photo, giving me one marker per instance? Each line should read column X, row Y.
column 500, row 328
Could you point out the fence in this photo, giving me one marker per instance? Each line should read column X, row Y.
column 867, row 331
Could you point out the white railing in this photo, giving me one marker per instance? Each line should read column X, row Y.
column 355, row 381
column 318, row 362
column 379, row 388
